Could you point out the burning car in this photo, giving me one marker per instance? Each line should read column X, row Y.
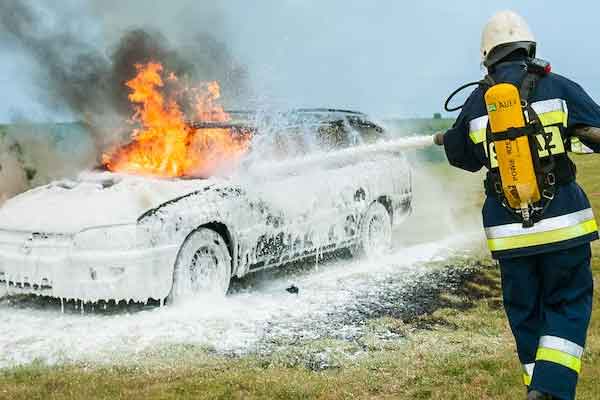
column 110, row 235
column 184, row 207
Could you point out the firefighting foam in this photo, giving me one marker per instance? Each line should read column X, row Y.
column 165, row 144
column 238, row 324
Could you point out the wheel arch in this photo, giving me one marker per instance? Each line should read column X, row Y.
column 222, row 230
column 225, row 233
column 381, row 201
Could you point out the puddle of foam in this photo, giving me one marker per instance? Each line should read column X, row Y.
column 236, row 323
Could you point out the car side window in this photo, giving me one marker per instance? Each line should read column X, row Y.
column 366, row 131
column 308, row 136
column 292, row 142
column 335, row 134
column 347, row 132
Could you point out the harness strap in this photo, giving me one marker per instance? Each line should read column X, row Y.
column 513, row 133
column 545, row 177
column 528, row 85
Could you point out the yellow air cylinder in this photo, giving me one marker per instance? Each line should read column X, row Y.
column 514, row 157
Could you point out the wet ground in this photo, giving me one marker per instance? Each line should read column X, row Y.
column 336, row 299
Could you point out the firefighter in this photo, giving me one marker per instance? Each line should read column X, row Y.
column 546, row 274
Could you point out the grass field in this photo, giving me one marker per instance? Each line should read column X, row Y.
column 468, row 354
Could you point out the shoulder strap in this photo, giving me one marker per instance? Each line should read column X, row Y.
column 486, row 83
column 528, row 85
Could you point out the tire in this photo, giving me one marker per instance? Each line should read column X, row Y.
column 203, row 266
column 375, row 232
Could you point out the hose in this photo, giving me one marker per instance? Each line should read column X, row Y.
column 457, row 91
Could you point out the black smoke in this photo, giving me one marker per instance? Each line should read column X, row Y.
column 81, row 70
column 88, row 79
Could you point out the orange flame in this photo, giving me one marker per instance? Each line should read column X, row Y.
column 207, row 108
column 166, row 145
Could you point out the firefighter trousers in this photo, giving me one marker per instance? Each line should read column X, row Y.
column 548, row 302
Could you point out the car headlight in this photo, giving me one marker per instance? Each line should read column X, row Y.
column 115, row 237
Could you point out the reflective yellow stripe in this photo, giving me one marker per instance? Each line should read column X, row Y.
column 526, row 379
column 545, row 225
column 561, row 344
column 549, row 105
column 553, row 118
column 477, row 129
column 478, row 136
column 551, row 112
column 578, row 147
column 558, row 357
column 528, row 373
column 536, row 239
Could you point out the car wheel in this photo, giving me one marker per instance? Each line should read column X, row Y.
column 203, row 266
column 375, row 232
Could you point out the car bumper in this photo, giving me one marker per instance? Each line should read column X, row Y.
column 137, row 274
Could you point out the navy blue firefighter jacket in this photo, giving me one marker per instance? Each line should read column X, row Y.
column 562, row 105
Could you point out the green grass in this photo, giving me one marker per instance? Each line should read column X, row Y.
column 469, row 354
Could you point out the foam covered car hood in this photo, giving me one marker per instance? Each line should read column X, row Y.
column 94, row 199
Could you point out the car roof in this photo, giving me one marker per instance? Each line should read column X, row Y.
column 301, row 116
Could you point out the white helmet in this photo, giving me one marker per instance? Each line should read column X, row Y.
column 504, row 33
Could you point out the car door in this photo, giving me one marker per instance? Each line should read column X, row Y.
column 321, row 198
column 390, row 177
column 300, row 195
column 312, row 202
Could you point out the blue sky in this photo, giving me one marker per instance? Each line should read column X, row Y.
column 386, row 57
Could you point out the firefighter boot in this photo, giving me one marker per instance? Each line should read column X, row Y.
column 535, row 395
